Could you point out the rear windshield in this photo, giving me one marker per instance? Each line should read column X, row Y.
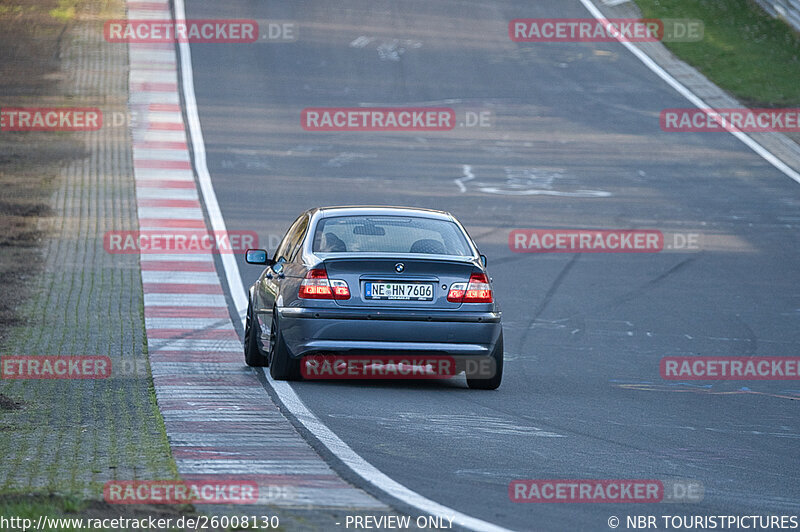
column 389, row 234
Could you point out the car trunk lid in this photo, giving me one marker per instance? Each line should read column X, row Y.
column 399, row 282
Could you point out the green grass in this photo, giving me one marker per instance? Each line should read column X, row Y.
column 32, row 507
column 745, row 51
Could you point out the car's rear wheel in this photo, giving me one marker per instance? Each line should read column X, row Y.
column 253, row 355
column 282, row 367
column 493, row 382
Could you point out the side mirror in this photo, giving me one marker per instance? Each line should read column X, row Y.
column 256, row 256
column 483, row 260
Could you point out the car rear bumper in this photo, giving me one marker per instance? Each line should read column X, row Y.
column 370, row 331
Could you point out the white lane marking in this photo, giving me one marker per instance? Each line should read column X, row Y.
column 366, row 470
column 166, row 193
column 161, row 154
column 148, row 55
column 161, row 76
column 152, row 174
column 467, row 170
column 160, row 135
column 421, row 103
column 535, row 192
column 155, row 276
column 462, row 426
column 172, row 213
column 139, row 97
column 185, row 300
column 525, row 182
column 285, row 392
column 173, row 117
column 696, row 100
column 345, row 158
column 204, row 178
column 390, row 50
column 189, row 323
column 191, row 344
column 361, row 41
column 179, row 257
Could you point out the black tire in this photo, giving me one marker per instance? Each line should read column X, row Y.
column 253, row 356
column 282, row 367
column 493, row 382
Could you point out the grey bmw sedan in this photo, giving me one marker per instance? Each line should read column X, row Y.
column 374, row 281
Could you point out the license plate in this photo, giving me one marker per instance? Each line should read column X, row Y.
column 400, row 291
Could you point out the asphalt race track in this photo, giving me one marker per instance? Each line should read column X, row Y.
column 573, row 142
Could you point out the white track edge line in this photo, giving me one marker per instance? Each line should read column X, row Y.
column 284, row 391
column 694, row 99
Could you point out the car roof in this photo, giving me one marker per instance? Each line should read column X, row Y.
column 381, row 210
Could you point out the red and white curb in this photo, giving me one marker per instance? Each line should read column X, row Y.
column 220, row 422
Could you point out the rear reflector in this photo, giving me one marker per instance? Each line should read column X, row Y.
column 316, row 285
column 478, row 290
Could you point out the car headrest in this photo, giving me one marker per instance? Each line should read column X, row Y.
column 428, row 245
column 332, row 243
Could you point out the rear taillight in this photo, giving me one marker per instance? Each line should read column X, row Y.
column 456, row 293
column 316, row 285
column 478, row 290
column 340, row 289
